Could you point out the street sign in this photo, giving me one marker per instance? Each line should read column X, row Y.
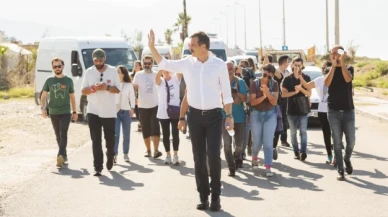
column 284, row 47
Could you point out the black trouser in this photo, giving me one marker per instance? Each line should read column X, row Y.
column 326, row 131
column 166, row 133
column 61, row 126
column 238, row 137
column 283, row 134
column 95, row 124
column 137, row 113
column 206, row 131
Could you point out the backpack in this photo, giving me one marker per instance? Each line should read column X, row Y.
column 236, row 81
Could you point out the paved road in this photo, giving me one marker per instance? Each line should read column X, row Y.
column 146, row 187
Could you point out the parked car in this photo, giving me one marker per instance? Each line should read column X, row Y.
column 314, row 72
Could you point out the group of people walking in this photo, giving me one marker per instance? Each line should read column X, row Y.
column 226, row 106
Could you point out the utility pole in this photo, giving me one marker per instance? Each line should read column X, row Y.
column 327, row 26
column 261, row 41
column 235, row 28
column 245, row 25
column 227, row 29
column 337, row 27
column 284, row 25
column 185, row 29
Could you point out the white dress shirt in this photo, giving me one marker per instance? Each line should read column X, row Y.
column 126, row 98
column 204, row 81
column 102, row 103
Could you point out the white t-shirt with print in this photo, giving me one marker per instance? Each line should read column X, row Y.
column 322, row 93
column 148, row 93
column 102, row 103
column 174, row 86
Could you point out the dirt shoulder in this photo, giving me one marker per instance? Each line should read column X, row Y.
column 27, row 142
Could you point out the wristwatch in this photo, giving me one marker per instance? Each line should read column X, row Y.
column 229, row 116
column 74, row 113
column 182, row 119
column 42, row 108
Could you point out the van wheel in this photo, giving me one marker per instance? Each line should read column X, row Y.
column 84, row 111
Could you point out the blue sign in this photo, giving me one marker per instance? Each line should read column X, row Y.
column 284, row 47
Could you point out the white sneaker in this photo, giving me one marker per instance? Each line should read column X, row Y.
column 126, row 158
column 268, row 173
column 168, row 159
column 175, row 160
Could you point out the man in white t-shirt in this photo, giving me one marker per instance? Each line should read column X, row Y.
column 144, row 83
column 101, row 82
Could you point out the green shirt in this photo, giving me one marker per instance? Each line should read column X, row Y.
column 60, row 90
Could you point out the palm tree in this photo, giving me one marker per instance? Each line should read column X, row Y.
column 181, row 24
column 167, row 36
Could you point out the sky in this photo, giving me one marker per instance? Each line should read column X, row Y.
column 305, row 21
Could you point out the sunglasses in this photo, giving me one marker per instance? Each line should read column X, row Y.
column 147, row 63
column 297, row 65
column 101, row 77
column 57, row 67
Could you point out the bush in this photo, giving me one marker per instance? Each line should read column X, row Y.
column 361, row 64
column 358, row 82
column 382, row 68
column 383, row 83
column 19, row 92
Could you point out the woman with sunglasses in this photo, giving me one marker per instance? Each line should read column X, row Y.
column 264, row 95
column 125, row 102
column 137, row 67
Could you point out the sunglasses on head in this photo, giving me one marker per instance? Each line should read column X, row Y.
column 57, row 66
column 147, row 63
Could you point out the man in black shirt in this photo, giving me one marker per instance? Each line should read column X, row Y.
column 279, row 76
column 341, row 108
column 298, row 106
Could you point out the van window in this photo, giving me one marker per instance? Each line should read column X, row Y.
column 219, row 53
column 114, row 57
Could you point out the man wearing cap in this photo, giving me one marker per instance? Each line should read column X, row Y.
column 101, row 82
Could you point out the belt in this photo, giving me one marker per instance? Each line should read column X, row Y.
column 205, row 112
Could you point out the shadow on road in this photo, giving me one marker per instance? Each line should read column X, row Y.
column 75, row 174
column 258, row 179
column 183, row 170
column 134, row 167
column 357, row 154
column 378, row 189
column 233, row 191
column 119, row 181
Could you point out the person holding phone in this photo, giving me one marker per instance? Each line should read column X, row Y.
column 298, row 106
column 61, row 90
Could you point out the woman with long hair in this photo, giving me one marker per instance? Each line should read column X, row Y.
column 264, row 93
column 125, row 102
column 137, row 67
column 252, row 64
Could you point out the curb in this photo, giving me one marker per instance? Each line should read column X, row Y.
column 372, row 116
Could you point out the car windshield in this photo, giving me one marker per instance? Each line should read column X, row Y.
column 219, row 53
column 253, row 53
column 114, row 57
column 313, row 74
column 291, row 56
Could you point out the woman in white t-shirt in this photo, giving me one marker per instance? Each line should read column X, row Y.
column 125, row 102
column 169, row 84
column 319, row 85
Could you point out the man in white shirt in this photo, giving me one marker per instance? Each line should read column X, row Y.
column 101, row 82
column 207, row 79
column 144, row 83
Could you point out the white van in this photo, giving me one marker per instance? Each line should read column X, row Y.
column 217, row 47
column 77, row 56
column 165, row 50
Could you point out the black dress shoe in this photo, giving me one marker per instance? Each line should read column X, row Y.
column 204, row 205
column 232, row 172
column 349, row 167
column 215, row 205
column 341, row 175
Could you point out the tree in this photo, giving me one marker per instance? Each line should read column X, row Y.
column 180, row 24
column 135, row 40
column 167, row 36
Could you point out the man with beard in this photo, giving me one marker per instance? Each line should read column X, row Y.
column 101, row 83
column 144, row 83
column 61, row 90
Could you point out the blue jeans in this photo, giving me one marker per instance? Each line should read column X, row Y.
column 263, row 125
column 123, row 119
column 294, row 121
column 342, row 122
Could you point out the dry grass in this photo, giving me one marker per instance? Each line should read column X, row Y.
column 18, row 92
